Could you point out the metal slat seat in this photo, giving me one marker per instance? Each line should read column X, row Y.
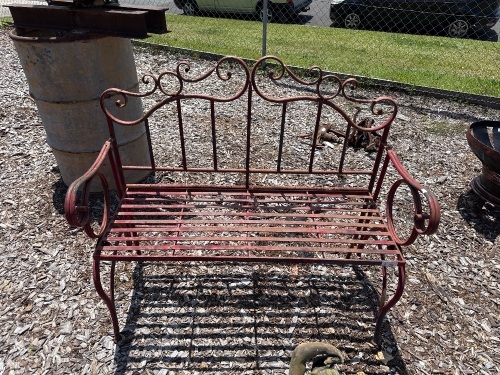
column 241, row 225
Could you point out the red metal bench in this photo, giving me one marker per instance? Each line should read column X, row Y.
column 235, row 182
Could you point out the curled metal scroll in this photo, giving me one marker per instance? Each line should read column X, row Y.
column 177, row 78
column 423, row 222
column 76, row 206
column 275, row 70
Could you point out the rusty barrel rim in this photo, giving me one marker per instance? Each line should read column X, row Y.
column 51, row 36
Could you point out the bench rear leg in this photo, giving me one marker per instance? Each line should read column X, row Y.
column 384, row 306
column 363, row 219
column 109, row 300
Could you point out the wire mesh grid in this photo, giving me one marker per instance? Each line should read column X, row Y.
column 459, row 18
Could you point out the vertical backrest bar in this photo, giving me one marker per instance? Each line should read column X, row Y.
column 344, row 148
column 247, row 152
column 116, row 167
column 282, row 136
column 150, row 145
column 381, row 177
column 315, row 135
column 115, row 160
column 214, row 136
column 378, row 159
column 181, row 134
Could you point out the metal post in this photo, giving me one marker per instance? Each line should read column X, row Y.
column 264, row 28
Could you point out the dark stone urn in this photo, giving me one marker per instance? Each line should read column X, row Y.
column 484, row 140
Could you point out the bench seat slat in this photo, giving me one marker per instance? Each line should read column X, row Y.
column 282, row 210
column 239, row 229
column 332, row 193
column 240, row 248
column 129, row 219
column 234, row 239
column 287, row 226
column 253, row 259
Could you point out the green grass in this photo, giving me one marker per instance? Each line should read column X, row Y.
column 444, row 128
column 5, row 23
column 461, row 65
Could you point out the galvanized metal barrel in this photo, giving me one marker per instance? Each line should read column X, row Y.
column 66, row 73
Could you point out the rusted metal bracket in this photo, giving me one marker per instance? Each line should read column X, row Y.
column 111, row 19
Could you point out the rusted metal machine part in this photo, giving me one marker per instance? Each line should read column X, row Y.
column 484, row 140
column 327, row 356
column 369, row 141
column 109, row 19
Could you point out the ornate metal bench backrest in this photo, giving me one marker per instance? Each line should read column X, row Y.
column 247, row 123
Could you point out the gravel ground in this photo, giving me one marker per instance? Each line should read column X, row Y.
column 196, row 318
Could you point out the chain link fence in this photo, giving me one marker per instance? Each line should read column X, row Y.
column 460, row 18
column 478, row 19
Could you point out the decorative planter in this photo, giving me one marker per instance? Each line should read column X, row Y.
column 484, row 140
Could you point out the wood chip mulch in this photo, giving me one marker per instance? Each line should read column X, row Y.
column 243, row 319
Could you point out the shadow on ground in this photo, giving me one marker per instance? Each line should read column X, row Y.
column 240, row 318
column 59, row 192
column 247, row 319
column 483, row 217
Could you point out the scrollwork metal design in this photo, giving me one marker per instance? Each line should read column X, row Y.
column 176, row 78
column 319, row 91
column 423, row 222
column 76, row 206
column 277, row 71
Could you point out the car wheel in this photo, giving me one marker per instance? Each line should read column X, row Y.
column 352, row 21
column 458, row 29
column 190, row 8
column 260, row 12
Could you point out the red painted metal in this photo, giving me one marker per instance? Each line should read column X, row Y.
column 248, row 222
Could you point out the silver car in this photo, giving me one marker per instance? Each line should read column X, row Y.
column 276, row 8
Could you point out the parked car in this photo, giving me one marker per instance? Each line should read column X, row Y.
column 276, row 8
column 456, row 18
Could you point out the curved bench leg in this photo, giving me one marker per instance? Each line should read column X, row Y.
column 386, row 306
column 109, row 300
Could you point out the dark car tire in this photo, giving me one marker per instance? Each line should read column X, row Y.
column 352, row 21
column 458, row 28
column 260, row 12
column 190, row 8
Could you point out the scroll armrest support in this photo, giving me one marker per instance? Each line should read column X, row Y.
column 423, row 222
column 76, row 206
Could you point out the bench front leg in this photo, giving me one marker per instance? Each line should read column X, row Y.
column 109, row 299
column 384, row 306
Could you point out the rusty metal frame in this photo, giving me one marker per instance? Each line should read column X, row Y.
column 129, row 22
column 248, row 223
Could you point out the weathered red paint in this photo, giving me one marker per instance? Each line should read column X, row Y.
column 247, row 223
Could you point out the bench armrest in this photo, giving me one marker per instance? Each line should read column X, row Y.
column 76, row 203
column 423, row 222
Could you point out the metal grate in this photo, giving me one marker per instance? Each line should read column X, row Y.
column 286, row 226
